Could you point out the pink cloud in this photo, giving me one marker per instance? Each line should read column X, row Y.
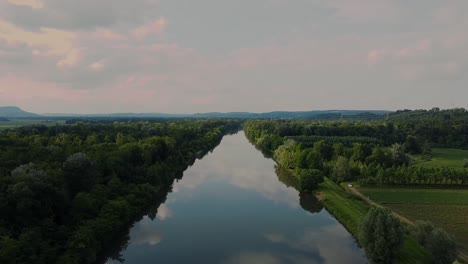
column 155, row 27
column 375, row 56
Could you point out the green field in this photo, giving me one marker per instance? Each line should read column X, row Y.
column 416, row 196
column 447, row 209
column 350, row 210
column 442, row 157
column 14, row 123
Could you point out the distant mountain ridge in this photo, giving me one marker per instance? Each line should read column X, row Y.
column 15, row 112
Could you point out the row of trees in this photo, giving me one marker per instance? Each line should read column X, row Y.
column 66, row 191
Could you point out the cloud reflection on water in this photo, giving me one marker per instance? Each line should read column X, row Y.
column 240, row 165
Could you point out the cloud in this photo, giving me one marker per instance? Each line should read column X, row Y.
column 97, row 66
column 183, row 56
column 71, row 59
column 52, row 41
column 164, row 212
column 155, row 27
column 34, row 4
column 79, row 15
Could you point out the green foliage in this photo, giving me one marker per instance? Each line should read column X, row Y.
column 341, row 170
column 79, row 173
column 65, row 191
column 310, row 179
column 411, row 145
column 422, row 231
column 441, row 246
column 399, row 155
column 286, row 154
column 381, row 235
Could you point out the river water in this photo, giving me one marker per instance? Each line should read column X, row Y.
column 235, row 206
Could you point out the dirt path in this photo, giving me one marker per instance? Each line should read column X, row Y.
column 402, row 218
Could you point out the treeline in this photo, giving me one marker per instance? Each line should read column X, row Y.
column 66, row 191
column 306, row 147
column 440, row 128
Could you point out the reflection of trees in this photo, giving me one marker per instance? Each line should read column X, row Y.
column 287, row 178
column 114, row 251
column 307, row 201
column 310, row 203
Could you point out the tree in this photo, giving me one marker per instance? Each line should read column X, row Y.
column 325, row 149
column 440, row 244
column 465, row 163
column 341, row 170
column 412, row 146
column 79, row 174
column 310, row 179
column 381, row 235
column 422, row 231
column 398, row 155
column 442, row 247
column 285, row 154
column 427, row 149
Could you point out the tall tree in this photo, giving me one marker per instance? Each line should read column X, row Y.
column 341, row 170
column 381, row 235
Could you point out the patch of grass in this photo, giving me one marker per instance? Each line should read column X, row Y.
column 350, row 210
column 442, row 157
column 416, row 196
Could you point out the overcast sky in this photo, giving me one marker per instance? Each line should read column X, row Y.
column 185, row 56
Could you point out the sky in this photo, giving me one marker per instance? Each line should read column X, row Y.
column 186, row 56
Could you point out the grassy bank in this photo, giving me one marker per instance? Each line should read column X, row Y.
column 350, row 210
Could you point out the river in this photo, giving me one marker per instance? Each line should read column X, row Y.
column 235, row 206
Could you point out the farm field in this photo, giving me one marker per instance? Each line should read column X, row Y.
column 416, row 196
column 443, row 157
column 447, row 209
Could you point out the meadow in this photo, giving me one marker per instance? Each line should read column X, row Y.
column 444, row 157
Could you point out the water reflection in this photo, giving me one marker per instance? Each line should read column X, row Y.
column 307, row 201
column 231, row 207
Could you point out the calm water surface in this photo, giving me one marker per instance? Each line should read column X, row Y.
column 234, row 206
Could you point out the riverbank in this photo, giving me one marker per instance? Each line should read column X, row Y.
column 349, row 210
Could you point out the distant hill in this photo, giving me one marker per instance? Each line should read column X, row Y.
column 317, row 114
column 311, row 115
column 15, row 112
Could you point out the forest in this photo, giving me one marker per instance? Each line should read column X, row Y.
column 373, row 153
column 67, row 190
